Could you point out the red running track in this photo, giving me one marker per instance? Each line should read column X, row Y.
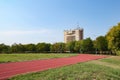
column 8, row 70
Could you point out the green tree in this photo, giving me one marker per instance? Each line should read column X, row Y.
column 87, row 45
column 29, row 48
column 113, row 38
column 70, row 46
column 61, row 47
column 77, row 47
column 58, row 47
column 14, row 48
column 4, row 48
column 43, row 47
column 17, row 48
column 101, row 43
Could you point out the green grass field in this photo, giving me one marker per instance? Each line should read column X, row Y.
column 103, row 69
column 26, row 57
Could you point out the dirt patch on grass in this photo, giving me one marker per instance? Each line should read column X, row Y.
column 105, row 64
column 115, row 57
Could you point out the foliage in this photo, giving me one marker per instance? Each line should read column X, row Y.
column 58, row 47
column 87, row 45
column 101, row 43
column 43, row 47
column 70, row 46
column 118, row 53
column 15, row 48
column 4, row 48
column 113, row 38
column 77, row 46
column 30, row 48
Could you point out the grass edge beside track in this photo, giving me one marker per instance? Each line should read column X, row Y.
column 6, row 58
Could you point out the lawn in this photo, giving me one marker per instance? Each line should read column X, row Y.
column 103, row 69
column 26, row 57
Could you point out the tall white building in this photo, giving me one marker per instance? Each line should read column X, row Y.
column 73, row 35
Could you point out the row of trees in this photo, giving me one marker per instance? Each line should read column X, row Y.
column 88, row 45
column 83, row 46
column 25, row 48
column 103, row 44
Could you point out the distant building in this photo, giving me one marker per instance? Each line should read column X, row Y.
column 73, row 35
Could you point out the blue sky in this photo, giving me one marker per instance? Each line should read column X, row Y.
column 34, row 21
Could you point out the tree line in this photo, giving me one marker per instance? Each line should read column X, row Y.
column 108, row 44
column 83, row 46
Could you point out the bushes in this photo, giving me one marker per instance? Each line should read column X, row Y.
column 118, row 53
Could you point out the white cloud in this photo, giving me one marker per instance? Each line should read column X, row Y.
column 30, row 36
column 23, row 32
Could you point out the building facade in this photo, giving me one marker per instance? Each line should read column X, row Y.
column 73, row 35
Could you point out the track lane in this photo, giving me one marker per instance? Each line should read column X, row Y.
column 8, row 70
